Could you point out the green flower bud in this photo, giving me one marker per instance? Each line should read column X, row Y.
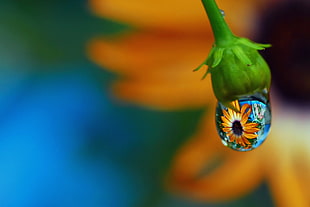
column 236, row 67
column 238, row 70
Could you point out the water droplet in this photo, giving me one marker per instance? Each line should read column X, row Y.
column 248, row 128
column 222, row 12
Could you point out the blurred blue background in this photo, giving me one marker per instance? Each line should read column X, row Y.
column 63, row 140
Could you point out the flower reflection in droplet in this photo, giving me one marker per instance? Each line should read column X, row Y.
column 246, row 128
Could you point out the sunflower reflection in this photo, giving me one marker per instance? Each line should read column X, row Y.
column 236, row 126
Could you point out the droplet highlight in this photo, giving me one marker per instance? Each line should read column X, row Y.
column 246, row 127
column 222, row 12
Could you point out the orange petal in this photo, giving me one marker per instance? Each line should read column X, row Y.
column 161, row 14
column 196, row 153
column 240, row 141
column 237, row 175
column 288, row 186
column 157, row 69
column 236, row 105
column 226, row 129
column 164, row 95
column 227, row 115
column 250, row 125
column 225, row 124
column 182, row 15
column 245, row 117
column 245, row 113
column 244, row 108
column 250, row 135
column 251, row 129
column 152, row 54
column 245, row 140
column 226, row 121
column 232, row 113
column 302, row 170
column 231, row 137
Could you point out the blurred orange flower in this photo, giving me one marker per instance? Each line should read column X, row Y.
column 155, row 64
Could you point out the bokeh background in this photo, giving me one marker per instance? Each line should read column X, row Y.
column 83, row 122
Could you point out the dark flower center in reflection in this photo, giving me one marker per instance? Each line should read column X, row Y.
column 237, row 128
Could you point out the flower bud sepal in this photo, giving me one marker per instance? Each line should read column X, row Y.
column 237, row 69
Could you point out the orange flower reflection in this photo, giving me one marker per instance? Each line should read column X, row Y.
column 155, row 64
column 236, row 126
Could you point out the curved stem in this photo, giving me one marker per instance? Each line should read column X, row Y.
column 221, row 31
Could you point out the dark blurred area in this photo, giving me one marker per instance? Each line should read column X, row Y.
column 286, row 26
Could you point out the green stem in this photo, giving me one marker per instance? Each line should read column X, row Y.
column 221, row 31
